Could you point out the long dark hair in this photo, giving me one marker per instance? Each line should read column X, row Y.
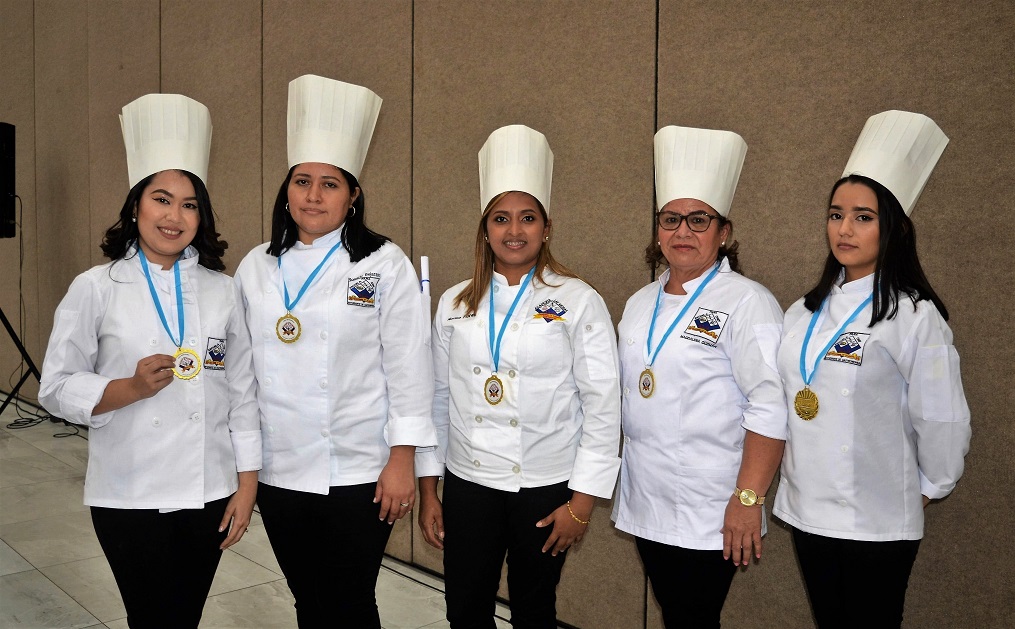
column 654, row 253
column 210, row 248
column 359, row 240
column 898, row 269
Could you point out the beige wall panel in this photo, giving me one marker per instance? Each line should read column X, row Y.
column 211, row 51
column 583, row 74
column 61, row 136
column 17, row 107
column 356, row 41
column 798, row 80
column 123, row 64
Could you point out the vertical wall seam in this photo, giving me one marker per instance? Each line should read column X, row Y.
column 261, row 100
column 655, row 126
column 412, row 147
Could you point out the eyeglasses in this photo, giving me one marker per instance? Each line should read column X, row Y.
column 696, row 222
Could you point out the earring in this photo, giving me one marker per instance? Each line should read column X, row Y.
column 286, row 206
column 722, row 244
column 352, row 210
column 546, row 239
column 659, row 244
column 486, row 238
column 133, row 219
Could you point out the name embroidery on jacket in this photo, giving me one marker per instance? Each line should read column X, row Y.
column 362, row 290
column 550, row 310
column 215, row 354
column 706, row 327
column 848, row 348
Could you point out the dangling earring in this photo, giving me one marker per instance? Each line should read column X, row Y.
column 133, row 219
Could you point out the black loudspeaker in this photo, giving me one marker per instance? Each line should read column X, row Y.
column 7, row 217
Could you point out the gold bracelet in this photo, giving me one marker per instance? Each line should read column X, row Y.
column 576, row 518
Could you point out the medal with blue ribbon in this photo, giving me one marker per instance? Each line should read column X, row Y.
column 186, row 362
column 288, row 328
column 806, row 401
column 647, row 380
column 493, row 388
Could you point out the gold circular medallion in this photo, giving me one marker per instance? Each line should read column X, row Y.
column 288, row 328
column 186, row 364
column 493, row 390
column 646, row 383
column 806, row 404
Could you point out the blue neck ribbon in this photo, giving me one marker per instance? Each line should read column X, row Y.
column 289, row 305
column 807, row 377
column 155, row 296
column 495, row 345
column 680, row 315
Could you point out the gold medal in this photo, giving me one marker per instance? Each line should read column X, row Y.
column 186, row 364
column 288, row 328
column 646, row 383
column 806, row 404
column 493, row 390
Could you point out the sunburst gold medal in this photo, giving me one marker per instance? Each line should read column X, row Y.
column 493, row 390
column 646, row 383
column 806, row 404
column 186, row 364
column 288, row 328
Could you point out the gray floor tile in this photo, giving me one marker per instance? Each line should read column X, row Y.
column 53, row 540
column 40, row 500
column 33, row 467
column 256, row 547
column 30, row 600
column 11, row 561
column 266, row 605
column 90, row 582
column 238, row 573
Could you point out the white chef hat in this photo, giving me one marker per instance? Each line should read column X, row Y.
column 899, row 150
column 698, row 164
column 165, row 132
column 330, row 122
column 515, row 158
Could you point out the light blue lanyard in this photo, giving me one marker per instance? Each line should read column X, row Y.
column 810, row 330
column 310, row 280
column 155, row 297
column 495, row 346
column 655, row 314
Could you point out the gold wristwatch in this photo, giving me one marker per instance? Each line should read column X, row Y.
column 748, row 497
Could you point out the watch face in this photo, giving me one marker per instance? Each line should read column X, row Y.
column 748, row 497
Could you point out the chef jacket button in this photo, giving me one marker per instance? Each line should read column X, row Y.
column 269, row 290
column 476, row 462
column 267, row 382
column 845, row 448
column 627, row 391
column 271, row 429
column 845, row 392
column 323, row 383
column 627, row 439
column 156, row 422
column 153, row 342
column 479, row 420
column 324, row 432
column 194, row 379
column 792, row 335
column 476, row 370
column 193, row 342
column 514, row 423
column 196, row 417
column 514, row 327
column 496, row 289
column 630, row 341
column 588, row 327
column 842, row 503
column 267, row 334
column 512, row 373
column 324, row 335
column 516, row 469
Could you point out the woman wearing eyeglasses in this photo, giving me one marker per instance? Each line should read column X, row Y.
column 879, row 423
column 703, row 409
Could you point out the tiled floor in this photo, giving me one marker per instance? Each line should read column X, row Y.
column 53, row 573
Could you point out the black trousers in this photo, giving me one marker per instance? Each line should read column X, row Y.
column 163, row 563
column 330, row 549
column 690, row 585
column 480, row 526
column 855, row 584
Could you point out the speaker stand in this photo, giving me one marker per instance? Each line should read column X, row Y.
column 32, row 369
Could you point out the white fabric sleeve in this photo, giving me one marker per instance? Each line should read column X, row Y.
column 757, row 329
column 596, row 372
column 69, row 387
column 244, row 416
column 431, row 462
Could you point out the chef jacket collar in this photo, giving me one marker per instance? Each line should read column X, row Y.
column 692, row 285
column 327, row 240
column 864, row 285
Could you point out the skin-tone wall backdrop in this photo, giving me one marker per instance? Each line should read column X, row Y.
column 796, row 79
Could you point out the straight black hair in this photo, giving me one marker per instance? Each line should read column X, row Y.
column 357, row 238
column 210, row 248
column 897, row 270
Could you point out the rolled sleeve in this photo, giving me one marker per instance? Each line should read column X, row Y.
column 757, row 329
column 247, row 450
column 428, row 462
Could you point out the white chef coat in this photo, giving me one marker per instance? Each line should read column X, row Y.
column 892, row 425
column 358, row 380
column 559, row 418
column 713, row 382
column 182, row 447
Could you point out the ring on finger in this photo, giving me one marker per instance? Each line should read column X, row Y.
column 404, row 504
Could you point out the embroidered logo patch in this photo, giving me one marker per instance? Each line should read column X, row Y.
column 215, row 355
column 706, row 327
column 362, row 290
column 848, row 348
column 550, row 310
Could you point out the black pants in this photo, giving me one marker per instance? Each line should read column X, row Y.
column 480, row 526
column 855, row 584
column 330, row 549
column 163, row 563
column 690, row 585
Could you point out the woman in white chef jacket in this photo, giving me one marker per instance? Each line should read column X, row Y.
column 526, row 405
column 342, row 357
column 879, row 421
column 150, row 352
column 704, row 418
